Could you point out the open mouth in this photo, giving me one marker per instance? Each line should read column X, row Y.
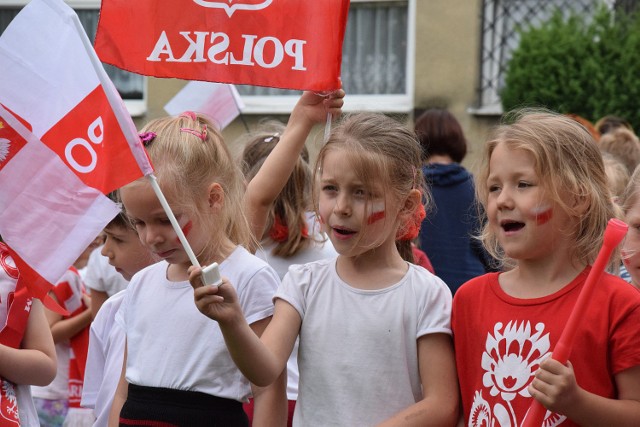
column 343, row 232
column 510, row 226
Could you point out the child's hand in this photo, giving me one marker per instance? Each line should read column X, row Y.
column 555, row 386
column 86, row 299
column 219, row 303
column 316, row 107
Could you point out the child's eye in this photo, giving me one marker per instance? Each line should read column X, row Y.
column 329, row 188
column 493, row 188
column 524, row 184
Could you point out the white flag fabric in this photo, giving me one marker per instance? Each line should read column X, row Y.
column 48, row 216
column 53, row 80
column 221, row 102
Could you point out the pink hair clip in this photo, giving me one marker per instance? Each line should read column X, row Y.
column 202, row 135
column 270, row 138
column 147, row 137
column 189, row 115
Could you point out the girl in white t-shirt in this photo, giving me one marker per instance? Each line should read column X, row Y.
column 177, row 370
column 375, row 345
column 290, row 235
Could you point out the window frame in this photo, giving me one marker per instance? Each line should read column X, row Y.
column 396, row 103
column 135, row 107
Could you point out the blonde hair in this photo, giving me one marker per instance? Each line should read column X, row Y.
column 632, row 192
column 189, row 154
column 294, row 200
column 623, row 144
column 379, row 149
column 617, row 175
column 567, row 161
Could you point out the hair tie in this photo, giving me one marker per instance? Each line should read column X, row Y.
column 270, row 138
column 189, row 115
column 147, row 138
column 280, row 231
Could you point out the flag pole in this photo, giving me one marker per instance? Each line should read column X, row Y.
column 172, row 218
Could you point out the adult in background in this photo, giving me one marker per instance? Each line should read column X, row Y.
column 447, row 233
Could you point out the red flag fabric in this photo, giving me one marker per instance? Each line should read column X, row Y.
column 53, row 80
column 293, row 44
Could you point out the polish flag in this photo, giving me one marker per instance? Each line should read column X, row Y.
column 48, row 216
column 221, row 102
column 52, row 79
column 78, row 144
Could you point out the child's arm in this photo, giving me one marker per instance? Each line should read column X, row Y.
column 64, row 329
column 263, row 359
column 274, row 173
column 269, row 403
column 439, row 406
column 555, row 387
column 97, row 299
column 35, row 363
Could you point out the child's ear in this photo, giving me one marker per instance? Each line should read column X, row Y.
column 216, row 196
column 414, row 198
column 581, row 204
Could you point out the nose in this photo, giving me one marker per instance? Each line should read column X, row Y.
column 343, row 205
column 505, row 199
column 106, row 249
column 152, row 235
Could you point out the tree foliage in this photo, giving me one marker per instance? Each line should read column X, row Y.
column 578, row 64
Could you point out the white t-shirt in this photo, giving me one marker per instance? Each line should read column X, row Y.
column 104, row 360
column 358, row 348
column 171, row 344
column 102, row 276
column 317, row 250
column 59, row 387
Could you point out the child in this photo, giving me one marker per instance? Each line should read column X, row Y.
column 26, row 347
column 374, row 329
column 289, row 237
column 59, row 402
column 127, row 255
column 177, row 369
column 544, row 191
column 630, row 203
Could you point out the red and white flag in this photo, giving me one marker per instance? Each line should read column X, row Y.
column 52, row 79
column 221, row 102
column 48, row 216
column 294, row 44
column 79, row 142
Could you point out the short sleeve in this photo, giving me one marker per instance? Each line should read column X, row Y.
column 255, row 295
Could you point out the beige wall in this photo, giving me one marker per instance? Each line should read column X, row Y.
column 447, row 65
column 446, row 71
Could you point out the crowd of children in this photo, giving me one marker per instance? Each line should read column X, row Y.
column 323, row 317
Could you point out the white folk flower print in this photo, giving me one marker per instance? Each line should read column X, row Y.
column 4, row 149
column 511, row 357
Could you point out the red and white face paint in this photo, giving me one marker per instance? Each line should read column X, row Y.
column 543, row 214
column 376, row 212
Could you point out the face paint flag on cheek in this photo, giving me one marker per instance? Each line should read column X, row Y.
column 543, row 214
column 377, row 212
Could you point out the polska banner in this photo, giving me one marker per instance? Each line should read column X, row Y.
column 53, row 80
column 291, row 44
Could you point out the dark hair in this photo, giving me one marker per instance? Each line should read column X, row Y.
column 439, row 132
column 121, row 220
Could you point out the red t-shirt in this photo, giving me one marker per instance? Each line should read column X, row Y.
column 500, row 341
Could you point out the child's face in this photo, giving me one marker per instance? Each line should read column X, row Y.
column 154, row 227
column 346, row 203
column 125, row 250
column 526, row 222
column 631, row 246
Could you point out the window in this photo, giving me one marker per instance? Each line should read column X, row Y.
column 500, row 19
column 132, row 87
column 377, row 62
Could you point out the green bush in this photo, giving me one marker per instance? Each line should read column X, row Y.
column 579, row 65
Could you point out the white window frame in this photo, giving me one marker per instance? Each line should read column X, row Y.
column 136, row 107
column 397, row 103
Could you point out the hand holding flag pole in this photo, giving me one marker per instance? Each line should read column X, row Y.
column 613, row 235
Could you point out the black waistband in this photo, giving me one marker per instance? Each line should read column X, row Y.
column 183, row 398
